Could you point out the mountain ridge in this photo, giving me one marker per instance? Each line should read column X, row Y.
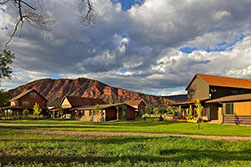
column 55, row 89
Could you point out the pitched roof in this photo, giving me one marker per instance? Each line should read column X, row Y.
column 134, row 103
column 25, row 93
column 101, row 106
column 11, row 107
column 223, row 81
column 190, row 102
column 232, row 98
column 77, row 101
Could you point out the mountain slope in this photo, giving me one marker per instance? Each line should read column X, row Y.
column 178, row 98
column 55, row 90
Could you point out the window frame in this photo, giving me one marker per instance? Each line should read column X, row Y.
column 33, row 95
column 26, row 103
column 229, row 109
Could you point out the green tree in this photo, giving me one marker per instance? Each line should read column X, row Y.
column 179, row 111
column 170, row 110
column 149, row 109
column 156, row 110
column 162, row 110
column 4, row 98
column 199, row 109
column 6, row 59
column 37, row 110
column 61, row 112
column 190, row 112
column 25, row 113
column 96, row 109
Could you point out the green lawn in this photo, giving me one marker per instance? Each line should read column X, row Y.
column 32, row 149
column 151, row 126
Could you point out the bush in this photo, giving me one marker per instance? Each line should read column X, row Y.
column 161, row 118
column 25, row 113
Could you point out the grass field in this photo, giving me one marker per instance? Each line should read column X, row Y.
column 33, row 149
column 150, row 126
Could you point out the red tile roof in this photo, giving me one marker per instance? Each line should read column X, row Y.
column 134, row 103
column 223, row 81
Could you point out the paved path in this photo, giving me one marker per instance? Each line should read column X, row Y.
column 228, row 138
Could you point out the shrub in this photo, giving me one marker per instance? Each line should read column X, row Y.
column 25, row 113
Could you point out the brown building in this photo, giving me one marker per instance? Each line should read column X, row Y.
column 70, row 102
column 104, row 112
column 25, row 100
column 234, row 109
column 139, row 105
column 208, row 87
column 211, row 87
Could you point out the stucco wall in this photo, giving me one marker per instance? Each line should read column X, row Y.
column 198, row 89
column 242, row 108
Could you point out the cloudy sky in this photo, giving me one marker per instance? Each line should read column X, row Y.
column 151, row 46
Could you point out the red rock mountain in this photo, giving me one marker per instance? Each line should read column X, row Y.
column 55, row 90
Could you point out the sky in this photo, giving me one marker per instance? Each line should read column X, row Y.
column 150, row 46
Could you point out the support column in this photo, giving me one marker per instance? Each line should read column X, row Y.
column 117, row 113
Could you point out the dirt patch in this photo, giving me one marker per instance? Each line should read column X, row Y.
column 228, row 138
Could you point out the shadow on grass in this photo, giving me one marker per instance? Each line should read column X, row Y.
column 118, row 140
column 216, row 155
column 90, row 159
column 74, row 122
column 48, row 127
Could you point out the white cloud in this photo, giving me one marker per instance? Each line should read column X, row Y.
column 171, row 93
column 221, row 14
column 145, row 39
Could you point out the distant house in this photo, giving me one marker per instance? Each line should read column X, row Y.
column 25, row 100
column 104, row 112
column 208, row 87
column 92, row 109
column 139, row 105
column 70, row 102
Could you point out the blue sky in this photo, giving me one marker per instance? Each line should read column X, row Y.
column 151, row 46
column 219, row 47
column 127, row 4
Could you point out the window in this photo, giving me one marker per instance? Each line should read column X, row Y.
column 213, row 90
column 91, row 113
column 234, row 92
column 26, row 103
column 103, row 113
column 81, row 113
column 33, row 95
column 229, row 108
column 204, row 112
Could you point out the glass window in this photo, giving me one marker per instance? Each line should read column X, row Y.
column 26, row 103
column 229, row 108
column 234, row 92
column 33, row 95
